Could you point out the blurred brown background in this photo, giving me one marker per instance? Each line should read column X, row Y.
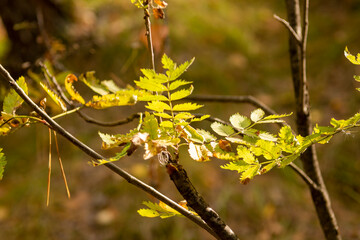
column 240, row 49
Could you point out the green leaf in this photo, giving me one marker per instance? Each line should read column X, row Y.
column 54, row 97
column 93, row 83
column 266, row 148
column 221, row 129
column 69, row 80
column 178, row 83
column 148, row 84
column 207, row 136
column 111, row 86
column 245, row 154
column 257, row 115
column 183, row 93
column 274, row 118
column 240, row 121
column 267, row 136
column 288, row 159
column 148, row 213
column 286, row 135
column 200, row 118
column 183, row 115
column 150, row 125
column 121, row 98
column 199, row 153
column 152, row 97
column 186, row 106
column 250, row 173
column 239, row 166
column 168, row 63
column 152, row 76
column 166, row 124
column 12, row 100
column 268, row 167
column 173, row 75
column 352, row 58
column 163, row 115
column 158, row 106
column 2, row 164
column 118, row 156
column 193, row 135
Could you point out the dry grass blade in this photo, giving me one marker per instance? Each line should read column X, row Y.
column 61, row 166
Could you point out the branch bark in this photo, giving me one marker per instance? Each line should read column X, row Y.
column 90, row 152
column 309, row 159
column 194, row 200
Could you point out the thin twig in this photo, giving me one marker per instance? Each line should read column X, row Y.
column 304, row 176
column 291, row 30
column 149, row 37
column 90, row 152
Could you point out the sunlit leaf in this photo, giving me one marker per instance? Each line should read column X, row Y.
column 245, row 154
column 93, row 83
column 221, row 129
column 193, row 135
column 69, row 80
column 148, row 213
column 167, row 63
column 207, row 136
column 289, row 159
column 2, row 164
column 110, row 85
column 267, row 136
column 151, row 126
column 357, row 78
column 178, row 83
column 161, row 3
column 268, row 167
column 121, row 98
column 148, row 84
column 12, row 100
column 158, row 106
column 186, row 107
column 173, row 75
column 166, row 124
column 152, row 97
column 274, row 118
column 239, row 166
column 352, row 58
column 54, row 97
column 183, row 93
column 249, row 173
column 199, row 152
column 183, row 115
column 163, row 115
column 257, row 115
column 239, row 121
column 199, row 119
column 158, row 13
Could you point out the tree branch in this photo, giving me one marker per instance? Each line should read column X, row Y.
column 291, row 30
column 90, row 152
column 309, row 159
column 194, row 200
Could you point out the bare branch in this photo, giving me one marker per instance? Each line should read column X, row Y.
column 90, row 152
column 304, row 176
column 291, row 30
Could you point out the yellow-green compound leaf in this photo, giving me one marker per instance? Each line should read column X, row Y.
column 12, row 100
column 54, row 97
column 186, row 107
column 200, row 118
column 178, row 83
column 257, row 115
column 288, row 159
column 352, row 58
column 161, row 210
column 148, row 84
column 245, row 154
column 151, row 126
column 181, row 94
column 267, row 136
column 148, row 213
column 158, row 106
column 69, row 80
column 93, row 83
column 152, row 97
column 239, row 121
column 2, row 164
column 123, row 153
column 199, row 152
column 221, row 129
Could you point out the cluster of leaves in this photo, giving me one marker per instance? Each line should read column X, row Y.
column 161, row 210
column 157, row 6
column 168, row 123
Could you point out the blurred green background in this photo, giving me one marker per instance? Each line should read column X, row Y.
column 240, row 49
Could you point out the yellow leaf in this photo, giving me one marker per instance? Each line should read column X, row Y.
column 69, row 80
